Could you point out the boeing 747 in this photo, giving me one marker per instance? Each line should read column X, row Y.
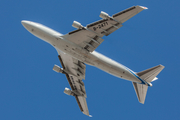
column 76, row 49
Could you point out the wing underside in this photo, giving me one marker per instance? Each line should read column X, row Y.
column 90, row 37
column 76, row 72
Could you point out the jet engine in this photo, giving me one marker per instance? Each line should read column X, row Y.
column 104, row 15
column 56, row 68
column 77, row 25
column 68, row 91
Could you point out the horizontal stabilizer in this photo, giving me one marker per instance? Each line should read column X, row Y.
column 141, row 91
column 149, row 75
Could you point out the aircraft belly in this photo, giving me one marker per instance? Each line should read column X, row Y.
column 117, row 71
column 112, row 67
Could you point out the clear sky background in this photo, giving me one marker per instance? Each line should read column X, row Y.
column 31, row 90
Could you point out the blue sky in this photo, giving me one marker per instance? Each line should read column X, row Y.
column 31, row 90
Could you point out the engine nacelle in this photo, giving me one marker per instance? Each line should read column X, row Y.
column 56, row 68
column 68, row 91
column 104, row 15
column 77, row 25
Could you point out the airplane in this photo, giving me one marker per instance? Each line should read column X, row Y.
column 77, row 48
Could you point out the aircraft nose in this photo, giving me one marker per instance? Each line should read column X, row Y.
column 26, row 23
column 29, row 25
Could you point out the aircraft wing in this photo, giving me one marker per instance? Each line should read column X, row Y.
column 75, row 72
column 89, row 37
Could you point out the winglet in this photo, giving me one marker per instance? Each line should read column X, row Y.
column 143, row 7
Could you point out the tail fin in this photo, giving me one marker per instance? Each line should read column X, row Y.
column 148, row 75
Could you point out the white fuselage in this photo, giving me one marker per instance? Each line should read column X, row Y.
column 92, row 58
